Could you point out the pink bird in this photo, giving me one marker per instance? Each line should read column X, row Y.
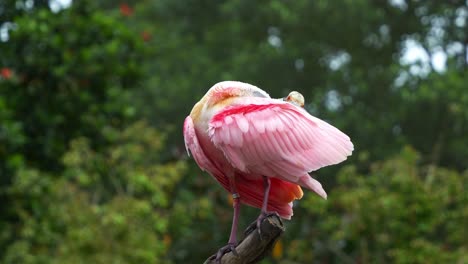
column 260, row 149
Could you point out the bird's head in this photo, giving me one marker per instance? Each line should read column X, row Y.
column 223, row 94
column 295, row 98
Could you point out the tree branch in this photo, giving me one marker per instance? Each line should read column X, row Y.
column 254, row 247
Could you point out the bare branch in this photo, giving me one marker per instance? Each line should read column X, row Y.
column 254, row 247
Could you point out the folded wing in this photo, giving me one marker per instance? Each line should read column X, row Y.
column 193, row 146
column 251, row 191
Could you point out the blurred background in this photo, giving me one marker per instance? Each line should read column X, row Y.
column 93, row 95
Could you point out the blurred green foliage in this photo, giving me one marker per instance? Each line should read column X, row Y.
column 93, row 96
column 115, row 200
column 398, row 213
column 70, row 80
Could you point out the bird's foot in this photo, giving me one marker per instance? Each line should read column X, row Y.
column 230, row 247
column 257, row 223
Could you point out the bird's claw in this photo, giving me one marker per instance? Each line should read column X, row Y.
column 258, row 223
column 230, row 247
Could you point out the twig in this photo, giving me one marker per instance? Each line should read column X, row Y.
column 254, row 247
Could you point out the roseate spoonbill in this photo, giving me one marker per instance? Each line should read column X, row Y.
column 260, row 149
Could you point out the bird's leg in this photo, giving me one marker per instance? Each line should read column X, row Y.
column 235, row 218
column 232, row 243
column 264, row 213
column 266, row 194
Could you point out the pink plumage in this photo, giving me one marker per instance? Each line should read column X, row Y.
column 244, row 139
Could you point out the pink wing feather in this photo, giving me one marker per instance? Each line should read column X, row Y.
column 250, row 195
column 193, row 146
column 277, row 139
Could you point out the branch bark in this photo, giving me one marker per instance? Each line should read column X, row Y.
column 254, row 247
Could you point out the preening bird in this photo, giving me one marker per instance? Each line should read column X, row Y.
column 261, row 149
